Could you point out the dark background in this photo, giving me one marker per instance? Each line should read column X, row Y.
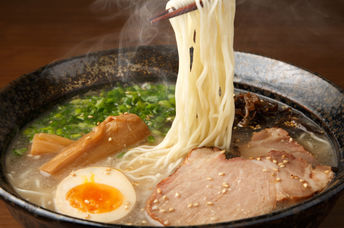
column 33, row 33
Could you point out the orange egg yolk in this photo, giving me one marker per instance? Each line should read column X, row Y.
column 94, row 198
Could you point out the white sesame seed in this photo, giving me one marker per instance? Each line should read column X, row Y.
column 156, row 201
column 177, row 195
column 88, row 137
column 327, row 171
column 165, row 197
column 154, row 208
column 159, row 191
column 190, row 205
column 210, row 203
column 90, row 116
column 213, row 218
column 143, row 221
column 274, row 161
column 265, row 170
column 171, row 209
column 278, row 179
column 285, row 161
column 221, row 174
column 224, row 184
column 305, row 185
column 166, row 222
column 301, row 180
column 109, row 139
column 195, row 204
column 162, row 210
column 224, row 191
column 87, row 201
column 209, row 178
column 258, row 159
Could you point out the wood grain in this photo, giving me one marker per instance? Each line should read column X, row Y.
column 33, row 33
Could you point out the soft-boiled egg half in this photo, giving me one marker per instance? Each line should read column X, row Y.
column 96, row 193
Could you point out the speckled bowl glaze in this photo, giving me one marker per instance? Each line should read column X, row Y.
column 27, row 97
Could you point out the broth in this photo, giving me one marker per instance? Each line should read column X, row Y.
column 24, row 175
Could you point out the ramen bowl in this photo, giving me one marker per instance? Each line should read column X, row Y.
column 27, row 97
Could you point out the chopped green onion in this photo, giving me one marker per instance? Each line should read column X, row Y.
column 154, row 103
column 151, row 139
column 120, row 155
column 19, row 151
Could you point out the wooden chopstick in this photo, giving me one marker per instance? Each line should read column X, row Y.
column 176, row 12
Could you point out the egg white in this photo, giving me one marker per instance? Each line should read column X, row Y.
column 101, row 175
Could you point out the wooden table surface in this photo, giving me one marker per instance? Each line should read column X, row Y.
column 33, row 33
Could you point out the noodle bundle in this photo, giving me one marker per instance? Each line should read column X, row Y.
column 204, row 89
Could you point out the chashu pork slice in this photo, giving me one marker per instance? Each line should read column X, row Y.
column 208, row 188
column 295, row 178
column 264, row 141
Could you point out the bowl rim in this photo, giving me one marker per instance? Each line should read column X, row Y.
column 38, row 211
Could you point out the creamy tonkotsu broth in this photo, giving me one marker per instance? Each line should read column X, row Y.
column 198, row 112
column 25, row 177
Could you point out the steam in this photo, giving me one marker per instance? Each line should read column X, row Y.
column 110, row 9
column 131, row 26
column 131, row 29
column 137, row 29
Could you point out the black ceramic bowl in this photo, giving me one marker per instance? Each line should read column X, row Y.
column 31, row 94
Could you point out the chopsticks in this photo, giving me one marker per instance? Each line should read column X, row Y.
column 167, row 14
